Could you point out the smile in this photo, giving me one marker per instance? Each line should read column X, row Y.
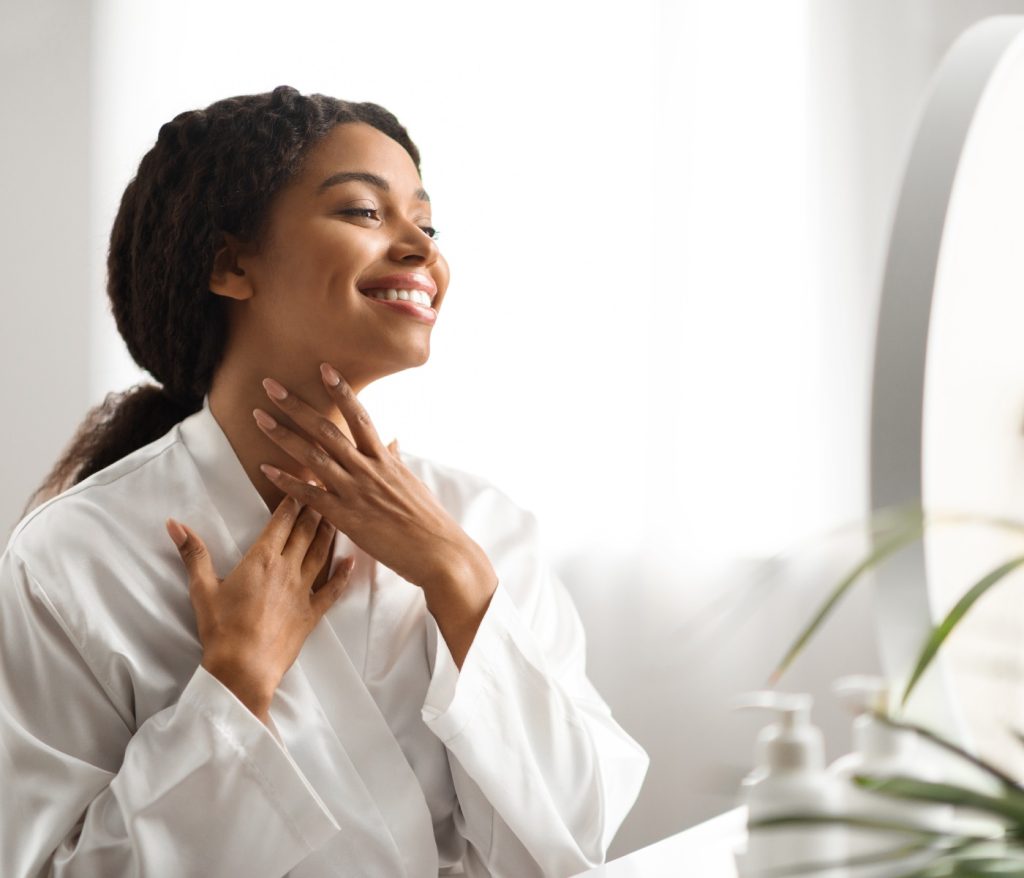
column 412, row 305
column 417, row 296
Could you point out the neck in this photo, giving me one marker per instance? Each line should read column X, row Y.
column 237, row 390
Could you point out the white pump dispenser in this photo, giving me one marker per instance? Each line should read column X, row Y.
column 790, row 779
column 881, row 750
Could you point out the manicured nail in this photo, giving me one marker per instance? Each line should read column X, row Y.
column 177, row 532
column 263, row 419
column 271, row 471
column 274, row 389
column 330, row 375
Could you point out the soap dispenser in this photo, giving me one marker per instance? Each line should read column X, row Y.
column 790, row 779
column 881, row 750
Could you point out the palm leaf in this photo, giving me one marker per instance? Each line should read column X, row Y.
column 854, row 820
column 1010, row 808
column 893, row 855
column 945, row 628
column 882, row 550
column 892, row 528
column 972, row 867
column 996, row 521
column 941, row 843
column 1004, row 779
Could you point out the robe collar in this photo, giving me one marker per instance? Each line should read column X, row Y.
column 233, row 495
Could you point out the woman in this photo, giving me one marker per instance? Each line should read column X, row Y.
column 351, row 660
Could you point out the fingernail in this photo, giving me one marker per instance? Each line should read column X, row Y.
column 271, row 471
column 263, row 419
column 330, row 375
column 274, row 389
column 177, row 532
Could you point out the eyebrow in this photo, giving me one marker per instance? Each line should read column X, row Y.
column 365, row 177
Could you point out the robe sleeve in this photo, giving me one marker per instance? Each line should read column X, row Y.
column 200, row 788
column 543, row 773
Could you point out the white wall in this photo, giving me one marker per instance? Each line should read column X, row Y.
column 46, row 240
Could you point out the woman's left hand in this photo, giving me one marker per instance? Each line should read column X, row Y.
column 371, row 496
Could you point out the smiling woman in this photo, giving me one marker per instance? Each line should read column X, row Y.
column 355, row 218
column 351, row 660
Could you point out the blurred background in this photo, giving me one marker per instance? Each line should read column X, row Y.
column 666, row 222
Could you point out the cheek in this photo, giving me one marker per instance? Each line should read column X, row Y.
column 314, row 277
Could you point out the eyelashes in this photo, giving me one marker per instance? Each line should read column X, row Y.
column 429, row 231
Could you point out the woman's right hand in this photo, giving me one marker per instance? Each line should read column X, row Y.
column 253, row 623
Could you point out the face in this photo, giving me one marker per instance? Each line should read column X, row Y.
column 302, row 295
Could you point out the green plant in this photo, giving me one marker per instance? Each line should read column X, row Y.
column 894, row 529
column 952, row 853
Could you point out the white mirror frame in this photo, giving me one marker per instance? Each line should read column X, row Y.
column 904, row 606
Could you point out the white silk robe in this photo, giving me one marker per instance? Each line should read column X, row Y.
column 121, row 756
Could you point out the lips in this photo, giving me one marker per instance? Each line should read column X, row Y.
column 400, row 282
column 422, row 313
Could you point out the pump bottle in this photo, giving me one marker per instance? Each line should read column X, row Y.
column 880, row 750
column 790, row 780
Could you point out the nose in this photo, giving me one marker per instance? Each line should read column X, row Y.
column 411, row 244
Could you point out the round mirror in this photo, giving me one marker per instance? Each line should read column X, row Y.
column 948, row 402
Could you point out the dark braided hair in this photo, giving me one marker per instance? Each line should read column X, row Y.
column 211, row 171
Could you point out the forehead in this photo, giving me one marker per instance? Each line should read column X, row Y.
column 356, row 146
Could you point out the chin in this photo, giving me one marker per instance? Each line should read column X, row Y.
column 412, row 361
column 424, row 356
column 417, row 356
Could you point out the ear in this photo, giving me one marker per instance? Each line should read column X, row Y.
column 227, row 277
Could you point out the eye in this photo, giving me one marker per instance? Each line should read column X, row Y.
column 371, row 213
column 360, row 211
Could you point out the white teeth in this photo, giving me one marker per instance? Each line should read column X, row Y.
column 417, row 296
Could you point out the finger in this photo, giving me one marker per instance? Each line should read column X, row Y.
column 275, row 533
column 322, row 430
column 305, row 493
column 363, row 431
column 302, row 535
column 334, row 588
column 326, row 460
column 193, row 553
column 319, row 552
column 393, row 448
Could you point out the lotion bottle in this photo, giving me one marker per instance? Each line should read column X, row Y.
column 881, row 750
column 790, row 779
